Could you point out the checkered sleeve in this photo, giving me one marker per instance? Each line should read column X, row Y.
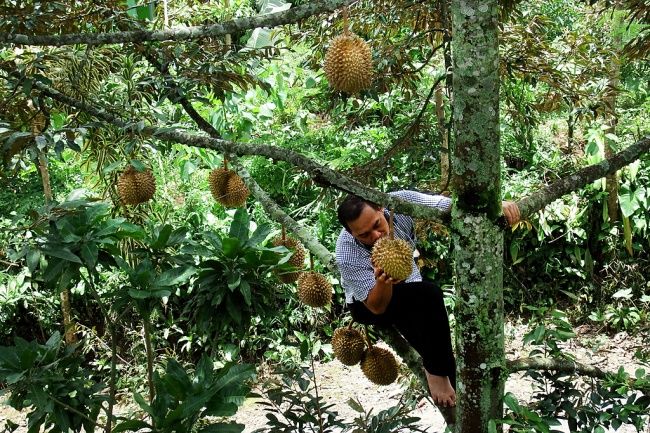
column 435, row 201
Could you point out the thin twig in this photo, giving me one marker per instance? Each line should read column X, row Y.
column 77, row 412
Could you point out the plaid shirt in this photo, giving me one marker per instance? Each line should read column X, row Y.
column 353, row 257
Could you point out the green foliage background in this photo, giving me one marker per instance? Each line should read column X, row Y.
column 202, row 277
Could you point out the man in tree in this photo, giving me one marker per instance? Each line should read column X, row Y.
column 416, row 308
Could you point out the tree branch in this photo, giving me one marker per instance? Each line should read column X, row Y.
column 276, row 213
column 550, row 364
column 582, row 177
column 289, row 16
column 321, row 173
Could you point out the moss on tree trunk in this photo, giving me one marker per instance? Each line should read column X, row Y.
column 478, row 241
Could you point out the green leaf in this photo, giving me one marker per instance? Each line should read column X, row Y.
column 162, row 238
column 245, row 290
column 62, row 253
column 139, row 166
column 111, row 167
column 230, row 247
column 173, row 277
column 53, row 270
column 310, row 83
column 186, row 171
column 89, row 252
column 628, row 201
column 142, row 403
column 623, row 293
column 260, row 234
column 146, row 12
column 215, row 240
column 33, row 257
column 233, row 280
column 221, row 427
column 233, row 310
column 239, row 227
column 139, row 294
column 355, row 405
column 130, row 425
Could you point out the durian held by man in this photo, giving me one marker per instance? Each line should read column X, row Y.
column 413, row 306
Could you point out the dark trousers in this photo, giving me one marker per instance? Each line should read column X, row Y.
column 417, row 311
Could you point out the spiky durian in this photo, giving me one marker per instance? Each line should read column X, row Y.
column 227, row 187
column 135, row 187
column 297, row 259
column 314, row 289
column 379, row 365
column 394, row 256
column 348, row 345
column 348, row 64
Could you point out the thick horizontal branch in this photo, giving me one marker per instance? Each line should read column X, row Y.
column 560, row 365
column 582, row 177
column 289, row 16
column 321, row 173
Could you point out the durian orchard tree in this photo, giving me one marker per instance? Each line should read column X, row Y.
column 476, row 227
column 476, row 233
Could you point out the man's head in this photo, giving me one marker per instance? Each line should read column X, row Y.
column 363, row 219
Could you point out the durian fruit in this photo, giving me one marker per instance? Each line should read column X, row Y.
column 348, row 345
column 227, row 187
column 394, row 256
column 379, row 365
column 297, row 259
column 314, row 289
column 348, row 63
column 135, row 187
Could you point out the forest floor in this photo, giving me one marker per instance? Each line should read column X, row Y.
column 339, row 383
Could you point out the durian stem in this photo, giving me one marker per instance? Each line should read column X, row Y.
column 365, row 333
column 346, row 30
column 390, row 225
column 284, row 234
column 225, row 162
column 311, row 262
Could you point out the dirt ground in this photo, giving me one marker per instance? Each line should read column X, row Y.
column 338, row 383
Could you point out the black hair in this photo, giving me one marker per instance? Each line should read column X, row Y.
column 351, row 207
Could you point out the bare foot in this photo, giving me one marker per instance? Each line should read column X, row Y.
column 442, row 392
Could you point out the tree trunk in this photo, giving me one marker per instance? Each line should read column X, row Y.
column 69, row 327
column 478, row 240
column 444, row 151
column 611, row 181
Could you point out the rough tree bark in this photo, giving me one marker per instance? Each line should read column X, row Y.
column 477, row 238
column 611, row 181
column 289, row 16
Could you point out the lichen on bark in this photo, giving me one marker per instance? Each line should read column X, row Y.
column 478, row 241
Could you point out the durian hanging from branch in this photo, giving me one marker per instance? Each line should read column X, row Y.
column 297, row 259
column 313, row 288
column 348, row 345
column 348, row 61
column 135, row 186
column 227, row 187
column 378, row 364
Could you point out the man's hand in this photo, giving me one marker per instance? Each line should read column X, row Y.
column 382, row 278
column 511, row 212
column 380, row 295
column 442, row 392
